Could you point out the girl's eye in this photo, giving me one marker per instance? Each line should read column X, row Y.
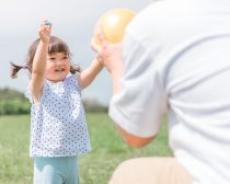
column 65, row 57
column 52, row 58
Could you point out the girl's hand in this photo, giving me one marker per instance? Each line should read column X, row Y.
column 110, row 55
column 45, row 31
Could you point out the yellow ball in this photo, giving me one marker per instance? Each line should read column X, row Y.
column 113, row 24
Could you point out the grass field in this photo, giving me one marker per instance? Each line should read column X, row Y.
column 95, row 167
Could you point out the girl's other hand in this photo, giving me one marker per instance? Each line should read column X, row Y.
column 45, row 31
column 110, row 55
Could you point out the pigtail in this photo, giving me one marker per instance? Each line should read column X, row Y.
column 16, row 68
column 29, row 61
column 74, row 69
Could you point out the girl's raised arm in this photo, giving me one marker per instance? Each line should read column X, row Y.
column 39, row 62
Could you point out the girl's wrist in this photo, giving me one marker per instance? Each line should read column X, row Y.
column 99, row 61
column 45, row 42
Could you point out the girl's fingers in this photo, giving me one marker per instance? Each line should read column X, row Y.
column 47, row 23
column 44, row 32
column 99, row 35
column 45, row 28
column 95, row 45
column 48, row 29
column 101, row 38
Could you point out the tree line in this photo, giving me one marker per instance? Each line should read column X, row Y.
column 15, row 102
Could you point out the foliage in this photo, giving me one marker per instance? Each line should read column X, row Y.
column 92, row 105
column 14, row 102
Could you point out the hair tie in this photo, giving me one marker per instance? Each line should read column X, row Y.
column 25, row 67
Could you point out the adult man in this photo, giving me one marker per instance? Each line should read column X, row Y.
column 176, row 59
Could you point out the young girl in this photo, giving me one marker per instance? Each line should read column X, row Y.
column 58, row 127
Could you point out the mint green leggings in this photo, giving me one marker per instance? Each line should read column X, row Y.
column 56, row 170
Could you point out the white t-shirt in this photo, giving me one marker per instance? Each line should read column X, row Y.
column 177, row 60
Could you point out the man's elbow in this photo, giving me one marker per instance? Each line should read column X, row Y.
column 133, row 140
column 139, row 142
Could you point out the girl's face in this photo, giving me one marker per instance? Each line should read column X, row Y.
column 57, row 67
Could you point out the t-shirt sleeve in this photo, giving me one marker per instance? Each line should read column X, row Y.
column 28, row 92
column 77, row 82
column 141, row 103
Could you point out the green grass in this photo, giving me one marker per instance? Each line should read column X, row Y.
column 95, row 167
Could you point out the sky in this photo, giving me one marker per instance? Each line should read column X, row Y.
column 72, row 20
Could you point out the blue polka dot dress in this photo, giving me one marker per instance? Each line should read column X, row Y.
column 58, row 124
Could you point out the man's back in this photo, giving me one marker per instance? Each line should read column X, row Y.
column 192, row 61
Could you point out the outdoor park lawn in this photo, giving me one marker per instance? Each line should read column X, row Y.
column 95, row 168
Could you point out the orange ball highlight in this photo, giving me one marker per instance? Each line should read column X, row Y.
column 113, row 24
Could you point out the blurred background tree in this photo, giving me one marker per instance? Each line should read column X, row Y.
column 15, row 102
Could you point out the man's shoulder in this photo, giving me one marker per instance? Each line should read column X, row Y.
column 159, row 18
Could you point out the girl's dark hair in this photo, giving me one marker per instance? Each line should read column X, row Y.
column 55, row 45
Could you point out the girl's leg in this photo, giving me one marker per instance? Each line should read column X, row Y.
column 46, row 171
column 73, row 171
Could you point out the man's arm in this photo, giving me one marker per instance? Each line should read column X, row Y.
column 137, row 126
column 115, row 67
column 132, row 140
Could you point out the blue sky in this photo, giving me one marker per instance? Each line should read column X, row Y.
column 72, row 20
